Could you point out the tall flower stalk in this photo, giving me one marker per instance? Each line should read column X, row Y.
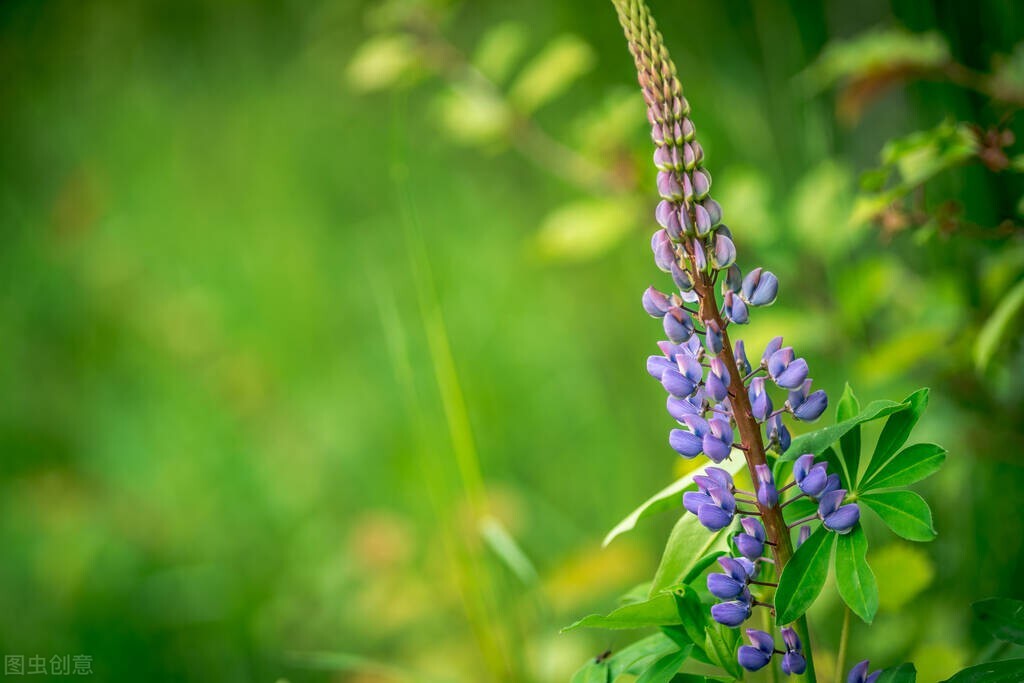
column 714, row 392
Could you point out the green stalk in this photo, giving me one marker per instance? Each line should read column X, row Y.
column 844, row 638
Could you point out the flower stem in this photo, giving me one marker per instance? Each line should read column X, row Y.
column 844, row 637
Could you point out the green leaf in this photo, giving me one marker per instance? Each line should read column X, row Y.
column 849, row 443
column 998, row 326
column 1003, row 618
column 804, row 576
column 854, row 577
column 592, row 672
column 837, row 464
column 692, row 614
column 658, row 611
column 669, row 497
column 636, row 656
column 721, row 644
column 896, row 431
column 904, row 673
column 663, row 670
column 688, row 547
column 817, row 441
column 910, row 465
column 1006, row 671
column 905, row 512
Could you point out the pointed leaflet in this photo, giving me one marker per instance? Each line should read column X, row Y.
column 592, row 672
column 721, row 645
column 837, row 464
column 635, row 657
column 1003, row 618
column 854, row 578
column 849, row 443
column 804, row 576
column 670, row 497
column 910, row 465
column 896, row 431
column 688, row 547
column 905, row 512
column 1006, row 671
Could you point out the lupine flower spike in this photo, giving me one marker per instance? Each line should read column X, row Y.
column 714, row 394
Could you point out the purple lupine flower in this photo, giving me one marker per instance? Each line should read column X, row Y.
column 690, row 443
column 835, row 516
column 723, row 252
column 717, row 441
column 717, row 382
column 773, row 346
column 793, row 662
column 811, row 478
column 678, row 325
column 735, row 309
column 859, row 673
column 664, row 251
column 803, row 535
column 767, row 495
column 806, row 406
column 831, row 484
column 682, row 380
column 731, row 613
column 733, row 279
column 750, row 542
column 656, row 303
column 720, row 477
column 683, row 280
column 718, row 513
column 760, row 401
column 778, row 434
column 785, row 370
column 740, row 353
column 756, row 655
column 679, row 408
column 734, row 581
column 712, row 337
column 760, row 287
column 657, row 365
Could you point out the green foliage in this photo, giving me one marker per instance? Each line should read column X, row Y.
column 690, row 549
column 904, row 673
column 909, row 466
column 1002, row 617
column 665, row 668
column 1006, row 671
column 854, row 578
column 804, row 576
column 904, row 512
column 896, row 431
column 999, row 327
column 659, row 610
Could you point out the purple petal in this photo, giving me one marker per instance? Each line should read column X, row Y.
column 813, row 407
column 766, row 291
column 751, row 658
column 858, row 672
column 714, row 210
column 724, row 253
column 793, row 376
column 702, row 221
column 801, row 466
column 682, row 278
column 657, row 365
column 761, row 640
column 692, row 500
column 676, row 384
column 679, row 408
column 830, row 502
column 773, row 346
column 831, row 484
column 750, row 283
column 686, row 444
column 805, row 533
column 713, row 517
column 740, row 353
column 721, row 477
column 793, row 664
column 844, row 519
column 749, row 546
column 668, row 186
column 677, row 324
column 732, row 613
column 655, row 303
column 791, row 639
column 716, row 449
column 724, row 587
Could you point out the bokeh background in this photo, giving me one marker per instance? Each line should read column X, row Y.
column 321, row 353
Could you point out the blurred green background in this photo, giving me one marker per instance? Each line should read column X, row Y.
column 321, row 352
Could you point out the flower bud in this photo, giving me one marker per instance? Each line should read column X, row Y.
column 702, row 221
column 803, row 535
column 717, row 383
column 664, row 252
column 756, row 655
column 740, row 353
column 733, row 279
column 701, row 183
column 655, row 303
column 732, row 613
column 767, row 495
column 735, row 308
column 785, row 370
column 687, row 131
column 793, row 664
column 859, row 673
column 778, row 434
column 760, row 401
column 677, row 324
column 723, row 254
column 668, row 186
column 773, row 346
column 663, row 158
column 686, row 444
column 717, row 441
column 714, row 210
column 682, row 278
column 657, row 365
column 760, row 287
column 712, row 337
column 700, row 259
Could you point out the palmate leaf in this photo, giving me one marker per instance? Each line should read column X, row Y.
column 804, row 576
column 854, row 578
column 1003, row 618
column 849, row 443
column 632, row 659
column 905, row 512
column 670, row 497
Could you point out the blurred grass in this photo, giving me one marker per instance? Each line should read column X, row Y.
column 273, row 349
